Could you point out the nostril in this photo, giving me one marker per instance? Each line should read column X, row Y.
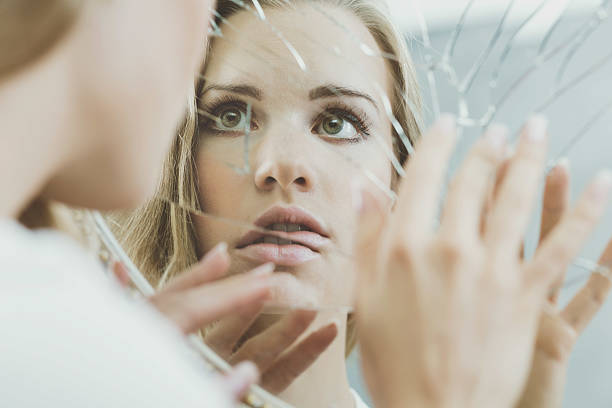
column 269, row 180
column 301, row 181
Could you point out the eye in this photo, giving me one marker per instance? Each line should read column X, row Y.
column 336, row 127
column 231, row 118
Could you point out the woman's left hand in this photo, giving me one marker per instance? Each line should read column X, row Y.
column 559, row 329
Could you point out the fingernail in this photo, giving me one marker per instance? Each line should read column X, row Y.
column 220, row 248
column 242, row 377
column 332, row 327
column 263, row 270
column 497, row 135
column 363, row 201
column 368, row 203
column 334, row 323
column 536, row 128
column 562, row 165
column 602, row 185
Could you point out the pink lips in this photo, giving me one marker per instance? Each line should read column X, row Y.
column 295, row 248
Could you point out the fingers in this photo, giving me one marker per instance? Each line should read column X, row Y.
column 554, row 206
column 121, row 274
column 467, row 194
column 224, row 336
column 420, row 189
column 213, row 266
column 566, row 240
column 512, row 209
column 556, row 197
column 241, row 378
column 287, row 368
column 499, row 178
column 589, row 300
column 264, row 349
column 194, row 308
column 370, row 225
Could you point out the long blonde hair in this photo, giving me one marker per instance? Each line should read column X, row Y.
column 160, row 237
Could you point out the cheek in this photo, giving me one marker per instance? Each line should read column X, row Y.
column 220, row 186
column 377, row 162
column 220, row 196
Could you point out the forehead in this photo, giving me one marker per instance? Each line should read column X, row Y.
column 328, row 40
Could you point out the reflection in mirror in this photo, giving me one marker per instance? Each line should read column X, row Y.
column 298, row 101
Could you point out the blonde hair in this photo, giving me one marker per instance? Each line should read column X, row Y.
column 30, row 28
column 160, row 237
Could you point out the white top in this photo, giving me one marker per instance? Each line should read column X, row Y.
column 70, row 338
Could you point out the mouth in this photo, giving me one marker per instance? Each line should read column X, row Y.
column 295, row 237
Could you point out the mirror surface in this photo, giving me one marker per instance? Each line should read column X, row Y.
column 300, row 100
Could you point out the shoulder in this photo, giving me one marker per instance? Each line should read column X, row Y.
column 34, row 253
column 72, row 338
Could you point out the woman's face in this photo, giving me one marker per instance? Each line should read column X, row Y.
column 311, row 133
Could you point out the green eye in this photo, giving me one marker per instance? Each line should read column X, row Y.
column 333, row 125
column 230, row 118
column 336, row 127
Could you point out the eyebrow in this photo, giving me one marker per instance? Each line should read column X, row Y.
column 331, row 91
column 320, row 92
column 241, row 89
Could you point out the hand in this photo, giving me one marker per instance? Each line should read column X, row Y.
column 273, row 350
column 449, row 317
column 199, row 296
column 559, row 329
column 193, row 301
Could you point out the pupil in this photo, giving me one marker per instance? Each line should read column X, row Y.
column 333, row 125
column 230, row 118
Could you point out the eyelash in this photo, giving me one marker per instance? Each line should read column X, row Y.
column 354, row 116
column 213, row 109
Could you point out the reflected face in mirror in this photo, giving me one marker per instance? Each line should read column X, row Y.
column 309, row 134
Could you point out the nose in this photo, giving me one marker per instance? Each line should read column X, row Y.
column 284, row 165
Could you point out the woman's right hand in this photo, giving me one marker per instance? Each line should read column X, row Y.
column 448, row 316
column 560, row 328
column 201, row 296
column 278, row 352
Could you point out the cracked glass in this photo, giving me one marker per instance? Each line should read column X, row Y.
column 298, row 101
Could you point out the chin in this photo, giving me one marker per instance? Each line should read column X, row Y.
column 289, row 292
column 294, row 290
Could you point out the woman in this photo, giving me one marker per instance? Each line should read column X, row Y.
column 86, row 122
column 305, row 130
column 300, row 280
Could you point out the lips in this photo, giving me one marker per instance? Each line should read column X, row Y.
column 295, row 237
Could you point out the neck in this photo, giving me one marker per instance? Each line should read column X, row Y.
column 33, row 114
column 325, row 382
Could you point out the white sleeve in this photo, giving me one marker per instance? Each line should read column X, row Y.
column 69, row 338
